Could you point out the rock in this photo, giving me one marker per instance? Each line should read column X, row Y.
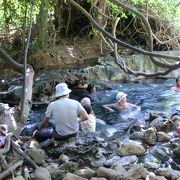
column 151, row 165
column 70, row 176
column 18, row 178
column 138, row 135
column 131, row 148
column 109, row 173
column 63, row 159
column 69, row 167
column 176, row 120
column 159, row 154
column 150, row 136
column 168, row 173
column 152, row 176
column 98, row 160
column 38, row 155
column 33, row 144
column 162, row 136
column 96, row 178
column 111, row 161
column 86, row 173
column 136, row 172
column 40, row 174
column 176, row 151
column 125, row 161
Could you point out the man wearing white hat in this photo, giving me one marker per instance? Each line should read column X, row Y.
column 64, row 112
column 121, row 104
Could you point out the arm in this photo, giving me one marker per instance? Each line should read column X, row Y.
column 134, row 106
column 83, row 116
column 109, row 107
column 43, row 123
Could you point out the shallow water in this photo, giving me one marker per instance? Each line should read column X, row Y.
column 150, row 95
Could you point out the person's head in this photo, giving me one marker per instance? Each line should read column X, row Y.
column 178, row 81
column 85, row 101
column 121, row 98
column 62, row 90
column 88, row 108
column 91, row 88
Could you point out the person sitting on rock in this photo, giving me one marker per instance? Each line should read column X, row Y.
column 91, row 89
column 177, row 87
column 121, row 105
column 64, row 112
column 90, row 124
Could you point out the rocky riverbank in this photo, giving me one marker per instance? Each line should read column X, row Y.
column 150, row 152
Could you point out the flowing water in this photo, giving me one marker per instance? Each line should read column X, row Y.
column 150, row 95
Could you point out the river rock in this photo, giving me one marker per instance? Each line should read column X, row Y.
column 152, row 176
column 151, row 165
column 98, row 160
column 63, row 159
column 131, row 148
column 111, row 161
column 176, row 151
column 86, row 173
column 176, row 120
column 96, row 178
column 70, row 176
column 136, row 172
column 33, row 144
column 110, row 174
column 40, row 174
column 138, row 135
column 125, row 161
column 69, row 167
column 162, row 136
column 150, row 136
column 168, row 173
column 38, row 155
column 159, row 154
column 18, row 178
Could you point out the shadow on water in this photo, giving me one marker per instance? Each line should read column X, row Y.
column 150, row 95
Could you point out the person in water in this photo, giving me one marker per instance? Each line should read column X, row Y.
column 64, row 112
column 177, row 87
column 121, row 105
column 91, row 92
column 90, row 124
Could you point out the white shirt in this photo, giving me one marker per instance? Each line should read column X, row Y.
column 64, row 112
column 90, row 124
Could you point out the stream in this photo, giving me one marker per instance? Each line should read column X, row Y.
column 150, row 95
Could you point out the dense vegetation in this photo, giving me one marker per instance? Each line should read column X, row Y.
column 54, row 20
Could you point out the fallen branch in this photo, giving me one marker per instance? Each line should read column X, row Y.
column 10, row 170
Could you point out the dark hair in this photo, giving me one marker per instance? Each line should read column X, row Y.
column 90, row 87
column 178, row 78
column 88, row 108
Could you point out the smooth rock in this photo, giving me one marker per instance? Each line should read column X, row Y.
column 86, row 173
column 70, row 176
column 162, row 136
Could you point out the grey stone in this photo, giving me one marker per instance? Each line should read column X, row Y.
column 86, row 173
column 150, row 136
column 151, row 165
column 70, row 176
column 162, row 136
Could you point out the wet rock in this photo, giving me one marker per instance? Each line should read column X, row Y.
column 111, row 161
column 152, row 176
column 150, row 136
column 69, row 167
column 162, row 136
column 110, row 174
column 176, row 120
column 98, row 160
column 40, row 174
column 136, row 172
column 159, row 154
column 125, row 161
column 38, row 155
column 96, row 178
column 168, row 173
column 70, row 176
column 86, row 173
column 63, row 159
column 151, row 165
column 131, row 148
column 55, row 152
column 136, row 135
column 162, row 124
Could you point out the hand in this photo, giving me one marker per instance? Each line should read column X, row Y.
column 34, row 133
column 111, row 110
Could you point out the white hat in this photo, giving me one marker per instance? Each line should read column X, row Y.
column 85, row 101
column 62, row 89
column 120, row 96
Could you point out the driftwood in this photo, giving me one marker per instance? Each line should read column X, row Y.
column 10, row 169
